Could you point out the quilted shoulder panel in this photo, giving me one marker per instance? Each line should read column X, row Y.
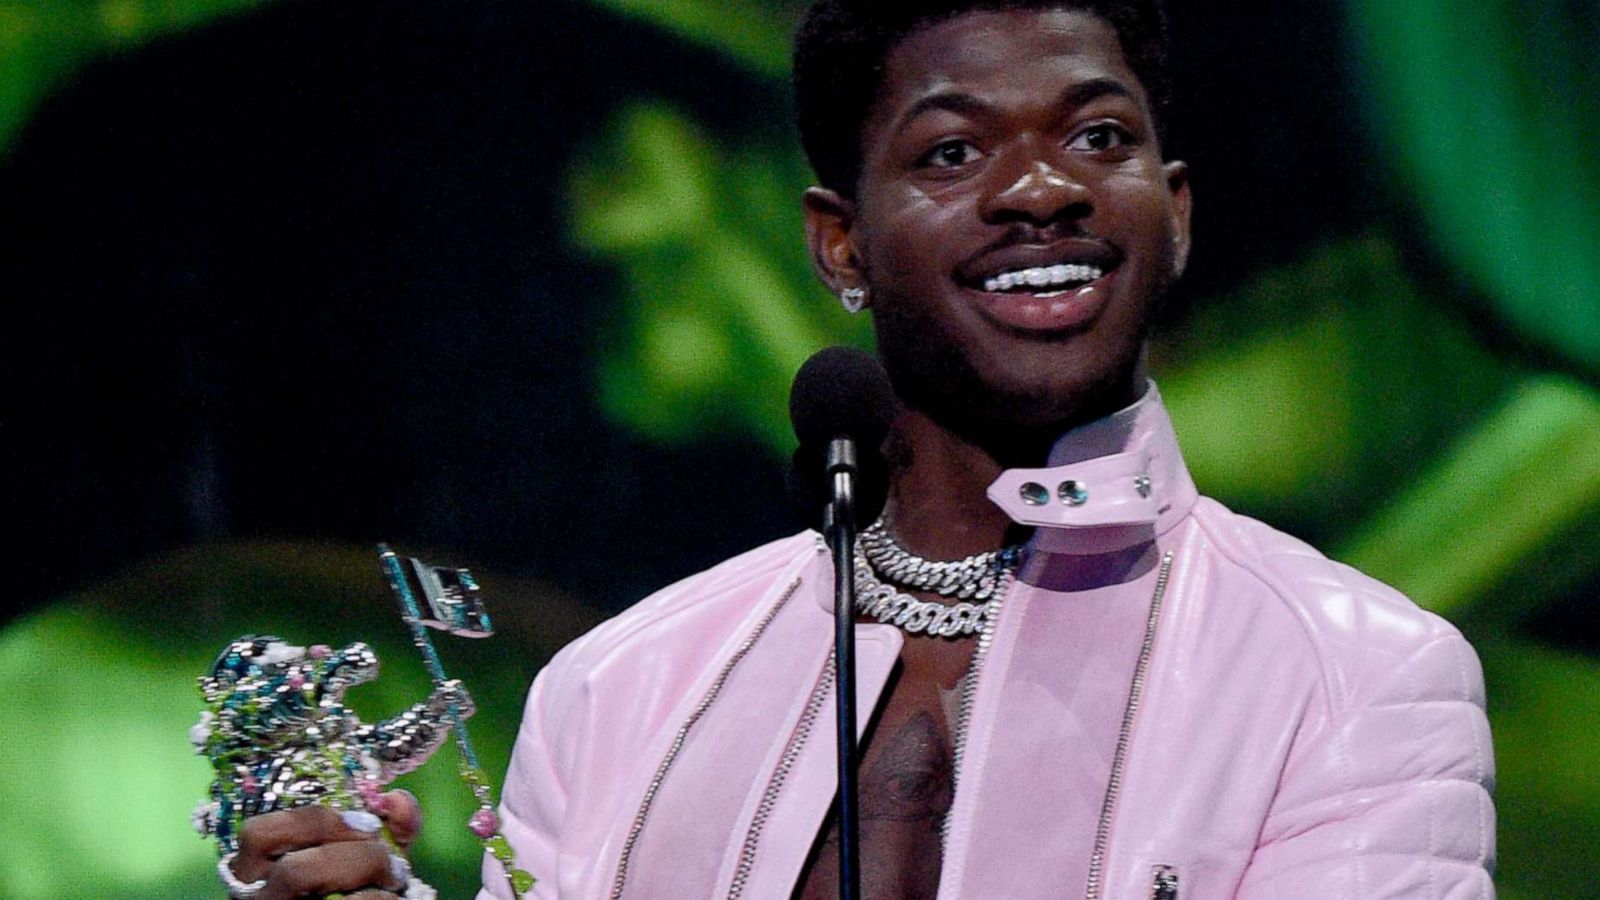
column 1359, row 627
column 1386, row 789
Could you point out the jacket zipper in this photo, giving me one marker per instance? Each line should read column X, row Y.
column 1163, row 883
column 769, row 797
column 637, row 827
column 1102, row 832
column 969, row 691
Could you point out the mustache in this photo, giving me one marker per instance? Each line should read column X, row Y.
column 1032, row 234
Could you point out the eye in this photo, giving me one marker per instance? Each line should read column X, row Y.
column 950, row 154
column 1102, row 137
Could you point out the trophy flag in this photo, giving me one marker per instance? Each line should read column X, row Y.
column 453, row 597
column 456, row 606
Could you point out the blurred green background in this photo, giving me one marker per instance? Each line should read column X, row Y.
column 521, row 286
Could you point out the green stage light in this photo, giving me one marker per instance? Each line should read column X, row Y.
column 1490, row 113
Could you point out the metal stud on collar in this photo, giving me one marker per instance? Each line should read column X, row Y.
column 1073, row 493
column 1033, row 493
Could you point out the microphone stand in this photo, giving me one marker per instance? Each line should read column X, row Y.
column 839, row 527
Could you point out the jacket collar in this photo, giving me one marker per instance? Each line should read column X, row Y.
column 1110, row 484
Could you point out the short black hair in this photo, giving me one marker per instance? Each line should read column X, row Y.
column 842, row 45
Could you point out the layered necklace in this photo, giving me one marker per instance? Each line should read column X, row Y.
column 884, row 570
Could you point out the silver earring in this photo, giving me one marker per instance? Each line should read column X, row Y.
column 854, row 299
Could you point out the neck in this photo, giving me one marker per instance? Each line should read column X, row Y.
column 937, row 481
column 938, row 506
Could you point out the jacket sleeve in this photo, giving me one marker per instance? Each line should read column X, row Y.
column 1387, row 793
column 533, row 801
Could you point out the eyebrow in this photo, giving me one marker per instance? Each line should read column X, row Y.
column 1085, row 92
column 953, row 101
column 1079, row 94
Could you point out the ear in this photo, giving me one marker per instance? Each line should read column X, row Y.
column 1177, row 174
column 829, row 219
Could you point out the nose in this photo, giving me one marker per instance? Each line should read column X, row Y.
column 1034, row 189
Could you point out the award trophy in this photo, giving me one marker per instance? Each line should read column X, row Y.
column 279, row 736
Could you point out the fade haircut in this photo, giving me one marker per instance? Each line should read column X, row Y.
column 842, row 45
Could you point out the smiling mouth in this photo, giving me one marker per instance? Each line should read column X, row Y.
column 1042, row 281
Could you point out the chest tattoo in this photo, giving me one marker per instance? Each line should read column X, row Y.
column 910, row 780
column 906, row 787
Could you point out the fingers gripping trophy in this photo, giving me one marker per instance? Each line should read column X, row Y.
column 279, row 735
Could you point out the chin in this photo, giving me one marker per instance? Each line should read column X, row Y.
column 986, row 383
column 1067, row 382
column 1023, row 398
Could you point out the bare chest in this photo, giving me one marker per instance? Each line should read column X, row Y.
column 907, row 781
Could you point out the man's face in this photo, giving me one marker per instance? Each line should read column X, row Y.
column 1014, row 221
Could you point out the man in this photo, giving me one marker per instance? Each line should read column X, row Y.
column 1155, row 697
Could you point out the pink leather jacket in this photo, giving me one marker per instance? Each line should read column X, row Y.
column 1177, row 702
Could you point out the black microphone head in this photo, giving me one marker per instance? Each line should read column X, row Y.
column 842, row 391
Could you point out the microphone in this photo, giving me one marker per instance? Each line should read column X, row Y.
column 841, row 406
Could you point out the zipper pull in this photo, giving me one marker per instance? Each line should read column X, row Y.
column 1163, row 883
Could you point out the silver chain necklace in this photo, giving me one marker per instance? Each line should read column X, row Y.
column 984, row 576
column 973, row 578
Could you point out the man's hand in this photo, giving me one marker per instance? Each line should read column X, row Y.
column 314, row 850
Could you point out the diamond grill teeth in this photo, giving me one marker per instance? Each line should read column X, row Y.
column 1042, row 276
